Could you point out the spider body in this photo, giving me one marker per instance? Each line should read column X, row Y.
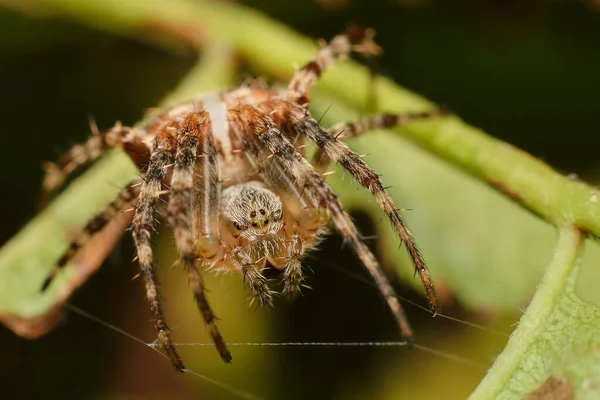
column 240, row 193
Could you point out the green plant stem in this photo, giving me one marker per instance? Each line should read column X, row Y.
column 272, row 49
column 215, row 71
column 557, row 278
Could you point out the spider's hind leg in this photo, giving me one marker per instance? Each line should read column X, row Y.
column 343, row 131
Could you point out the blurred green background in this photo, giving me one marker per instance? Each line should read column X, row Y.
column 526, row 72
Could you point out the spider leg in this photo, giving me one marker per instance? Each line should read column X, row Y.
column 292, row 271
column 339, row 47
column 253, row 277
column 366, row 177
column 93, row 148
column 343, row 131
column 125, row 197
column 141, row 228
column 263, row 132
column 195, row 137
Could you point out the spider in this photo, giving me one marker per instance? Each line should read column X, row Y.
column 240, row 192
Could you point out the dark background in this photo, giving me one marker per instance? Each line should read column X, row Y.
column 526, row 72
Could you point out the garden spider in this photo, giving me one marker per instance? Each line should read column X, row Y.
column 240, row 193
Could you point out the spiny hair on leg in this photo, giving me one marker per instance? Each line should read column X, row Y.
column 192, row 135
column 265, row 133
column 253, row 277
column 340, row 153
column 141, row 229
column 354, row 39
column 124, row 199
column 293, row 277
column 243, row 228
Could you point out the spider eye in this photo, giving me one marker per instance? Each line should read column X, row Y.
column 237, row 226
column 277, row 215
column 263, row 212
column 254, row 225
column 253, row 214
column 266, row 221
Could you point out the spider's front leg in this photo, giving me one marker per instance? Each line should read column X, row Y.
column 141, row 229
column 252, row 275
column 340, row 153
column 293, row 278
column 196, row 152
column 305, row 221
column 262, row 133
column 129, row 139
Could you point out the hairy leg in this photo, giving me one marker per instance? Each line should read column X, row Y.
column 97, row 145
column 293, row 277
column 141, row 228
column 253, row 277
column 339, row 47
column 125, row 198
column 366, row 177
column 262, row 132
column 343, row 131
column 194, row 136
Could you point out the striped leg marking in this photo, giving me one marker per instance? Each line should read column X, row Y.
column 359, row 40
column 292, row 271
column 195, row 137
column 253, row 278
column 141, row 228
column 343, row 131
column 366, row 177
column 126, row 197
column 93, row 148
column 266, row 134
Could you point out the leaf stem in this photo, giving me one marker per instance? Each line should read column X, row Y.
column 273, row 49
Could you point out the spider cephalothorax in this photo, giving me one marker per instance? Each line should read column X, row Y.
column 252, row 210
column 240, row 194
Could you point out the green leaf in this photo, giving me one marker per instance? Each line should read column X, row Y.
column 557, row 337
